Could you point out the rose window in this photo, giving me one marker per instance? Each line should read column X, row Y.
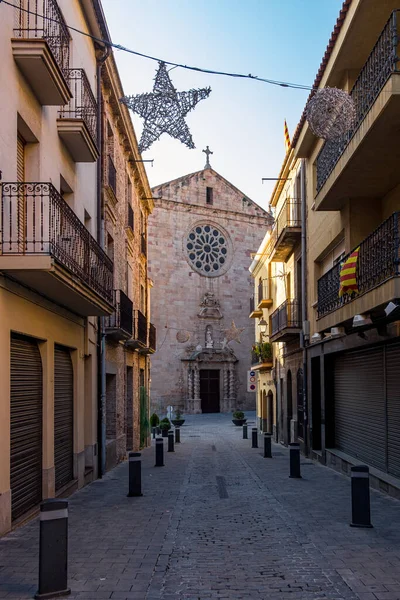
column 207, row 249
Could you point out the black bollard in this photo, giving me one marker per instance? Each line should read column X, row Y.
column 171, row 441
column 177, row 435
column 295, row 461
column 159, row 452
column 254, row 437
column 153, row 431
column 360, row 502
column 245, row 431
column 267, row 445
column 53, row 549
column 135, row 474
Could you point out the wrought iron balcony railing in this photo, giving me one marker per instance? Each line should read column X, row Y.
column 83, row 104
column 143, row 244
column 122, row 318
column 43, row 19
column 254, row 358
column 288, row 216
column 112, row 175
column 140, row 333
column 152, row 337
column 252, row 304
column 263, row 290
column 381, row 63
column 36, row 220
column 286, row 316
column 378, row 260
column 130, row 222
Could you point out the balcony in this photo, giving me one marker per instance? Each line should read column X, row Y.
column 41, row 50
column 77, row 121
column 377, row 278
column 255, row 312
column 364, row 162
column 111, row 180
column 152, row 338
column 286, row 232
column 264, row 294
column 119, row 325
column 261, row 357
column 130, row 220
column 143, row 244
column 139, row 338
column 45, row 247
column 285, row 322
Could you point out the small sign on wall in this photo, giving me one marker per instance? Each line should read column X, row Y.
column 251, row 381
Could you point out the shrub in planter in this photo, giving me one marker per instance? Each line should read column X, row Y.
column 178, row 421
column 263, row 351
column 238, row 418
column 165, row 426
column 154, row 420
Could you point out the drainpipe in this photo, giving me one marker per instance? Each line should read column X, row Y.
column 101, row 347
column 306, row 324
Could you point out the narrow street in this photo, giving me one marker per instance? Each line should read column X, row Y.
column 218, row 521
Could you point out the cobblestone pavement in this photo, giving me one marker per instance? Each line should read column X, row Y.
column 218, row 521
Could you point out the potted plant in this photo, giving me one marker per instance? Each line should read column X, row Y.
column 178, row 421
column 263, row 351
column 238, row 418
column 165, row 426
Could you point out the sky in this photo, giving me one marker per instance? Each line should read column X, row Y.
column 242, row 121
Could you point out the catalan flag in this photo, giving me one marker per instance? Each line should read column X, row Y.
column 287, row 138
column 348, row 274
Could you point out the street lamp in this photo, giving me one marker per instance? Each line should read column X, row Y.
column 263, row 326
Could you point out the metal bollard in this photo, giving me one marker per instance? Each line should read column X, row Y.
column 245, row 431
column 360, row 501
column 177, row 435
column 171, row 441
column 135, row 474
column 53, row 549
column 295, row 461
column 153, row 431
column 254, row 437
column 267, row 445
column 159, row 452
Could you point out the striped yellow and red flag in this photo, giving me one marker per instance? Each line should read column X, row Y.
column 348, row 274
column 287, row 138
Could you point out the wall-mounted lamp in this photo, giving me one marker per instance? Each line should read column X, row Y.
column 263, row 326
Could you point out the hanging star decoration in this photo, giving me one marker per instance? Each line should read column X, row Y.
column 164, row 110
column 232, row 334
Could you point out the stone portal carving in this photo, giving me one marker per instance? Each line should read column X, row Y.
column 210, row 307
column 209, row 339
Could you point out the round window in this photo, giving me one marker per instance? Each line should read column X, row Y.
column 207, row 250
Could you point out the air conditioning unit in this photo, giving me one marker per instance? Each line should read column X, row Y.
column 337, row 332
column 360, row 320
column 316, row 337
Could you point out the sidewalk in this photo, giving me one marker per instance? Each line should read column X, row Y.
column 218, row 521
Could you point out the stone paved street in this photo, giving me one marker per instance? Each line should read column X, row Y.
column 218, row 521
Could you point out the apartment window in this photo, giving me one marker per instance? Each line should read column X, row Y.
column 88, row 221
column 143, row 300
column 110, row 246
column 333, row 257
column 209, row 195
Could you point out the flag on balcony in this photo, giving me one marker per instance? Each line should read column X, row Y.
column 348, row 274
column 287, row 138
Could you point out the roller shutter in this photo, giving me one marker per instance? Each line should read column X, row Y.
column 360, row 411
column 393, row 408
column 63, row 417
column 26, row 407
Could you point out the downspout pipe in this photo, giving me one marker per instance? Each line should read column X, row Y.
column 306, row 325
column 101, row 346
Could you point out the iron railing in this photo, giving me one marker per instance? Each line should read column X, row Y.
column 254, row 358
column 122, row 318
column 286, row 316
column 140, row 327
column 152, row 337
column 83, row 104
column 130, row 222
column 288, row 216
column 253, row 303
column 143, row 244
column 378, row 260
column 381, row 63
column 112, row 175
column 263, row 290
column 43, row 19
column 36, row 220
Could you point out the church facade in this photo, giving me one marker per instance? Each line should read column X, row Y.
column 201, row 236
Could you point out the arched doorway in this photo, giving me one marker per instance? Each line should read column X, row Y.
column 289, row 413
column 300, row 405
column 264, row 411
column 270, row 411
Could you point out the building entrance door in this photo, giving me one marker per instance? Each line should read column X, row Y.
column 209, row 390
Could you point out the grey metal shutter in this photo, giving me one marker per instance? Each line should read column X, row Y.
column 393, row 407
column 360, row 415
column 26, row 407
column 63, row 417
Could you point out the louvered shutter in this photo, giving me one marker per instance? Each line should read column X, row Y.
column 63, row 417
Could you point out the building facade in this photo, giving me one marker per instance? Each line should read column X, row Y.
column 201, row 235
column 353, row 202
column 130, row 337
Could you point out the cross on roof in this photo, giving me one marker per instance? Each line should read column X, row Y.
column 207, row 151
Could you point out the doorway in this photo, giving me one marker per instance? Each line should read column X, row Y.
column 270, row 412
column 209, row 390
column 289, row 406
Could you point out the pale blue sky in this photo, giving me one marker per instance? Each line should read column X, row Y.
column 242, row 120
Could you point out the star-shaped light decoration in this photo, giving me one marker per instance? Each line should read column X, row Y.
column 232, row 334
column 164, row 110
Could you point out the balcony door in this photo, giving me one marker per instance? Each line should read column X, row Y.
column 209, row 390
